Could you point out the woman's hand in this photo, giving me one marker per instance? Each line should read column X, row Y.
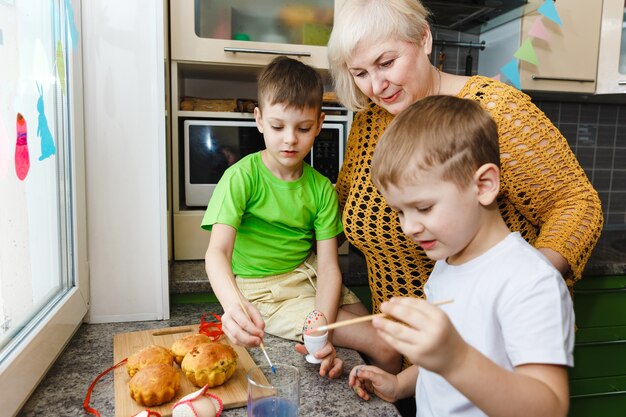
column 331, row 365
column 423, row 333
column 366, row 379
column 243, row 329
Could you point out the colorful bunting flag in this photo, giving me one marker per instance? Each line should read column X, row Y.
column 526, row 52
column 538, row 30
column 548, row 10
column 510, row 71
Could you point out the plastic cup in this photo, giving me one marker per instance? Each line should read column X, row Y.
column 313, row 344
column 273, row 394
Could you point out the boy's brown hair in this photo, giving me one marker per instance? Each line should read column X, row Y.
column 290, row 82
column 437, row 131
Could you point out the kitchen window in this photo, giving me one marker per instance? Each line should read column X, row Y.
column 43, row 288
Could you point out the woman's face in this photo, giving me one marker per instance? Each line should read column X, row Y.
column 394, row 74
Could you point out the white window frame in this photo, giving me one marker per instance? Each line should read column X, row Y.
column 28, row 363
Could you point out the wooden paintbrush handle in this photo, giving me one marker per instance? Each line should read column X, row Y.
column 348, row 322
column 362, row 319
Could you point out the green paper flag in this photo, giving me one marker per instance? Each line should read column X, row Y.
column 526, row 52
column 60, row 66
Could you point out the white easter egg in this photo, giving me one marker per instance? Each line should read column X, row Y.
column 197, row 404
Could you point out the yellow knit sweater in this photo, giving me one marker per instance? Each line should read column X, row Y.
column 545, row 194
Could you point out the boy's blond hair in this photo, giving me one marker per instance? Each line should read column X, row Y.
column 290, row 82
column 371, row 21
column 438, row 131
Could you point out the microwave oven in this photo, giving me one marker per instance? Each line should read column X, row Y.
column 210, row 146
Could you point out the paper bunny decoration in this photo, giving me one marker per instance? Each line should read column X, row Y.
column 43, row 131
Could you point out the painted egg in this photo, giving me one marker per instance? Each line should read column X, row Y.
column 314, row 319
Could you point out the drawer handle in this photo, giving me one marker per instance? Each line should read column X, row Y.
column 264, row 51
column 601, row 343
column 598, row 394
column 580, row 80
column 621, row 82
column 600, row 290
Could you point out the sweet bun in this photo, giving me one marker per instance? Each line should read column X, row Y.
column 182, row 346
column 150, row 355
column 154, row 384
column 209, row 364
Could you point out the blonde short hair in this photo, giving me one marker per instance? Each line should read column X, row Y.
column 371, row 21
column 455, row 134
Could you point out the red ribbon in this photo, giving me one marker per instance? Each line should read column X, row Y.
column 150, row 413
column 210, row 328
column 90, row 389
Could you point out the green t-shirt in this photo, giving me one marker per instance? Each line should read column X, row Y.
column 276, row 220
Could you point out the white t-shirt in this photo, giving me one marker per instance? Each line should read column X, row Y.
column 510, row 304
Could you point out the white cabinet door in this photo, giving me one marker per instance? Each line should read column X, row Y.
column 124, row 100
column 612, row 56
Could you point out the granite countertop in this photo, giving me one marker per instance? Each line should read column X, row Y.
column 90, row 352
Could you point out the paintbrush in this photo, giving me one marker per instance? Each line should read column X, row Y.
column 243, row 307
column 360, row 320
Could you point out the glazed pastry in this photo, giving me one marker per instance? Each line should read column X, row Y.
column 154, row 384
column 182, row 346
column 149, row 355
column 210, row 364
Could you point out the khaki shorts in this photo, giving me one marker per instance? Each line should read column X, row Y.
column 285, row 300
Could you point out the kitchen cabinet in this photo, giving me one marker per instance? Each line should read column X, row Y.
column 204, row 38
column 612, row 55
column 237, row 32
column 598, row 379
column 189, row 241
column 568, row 60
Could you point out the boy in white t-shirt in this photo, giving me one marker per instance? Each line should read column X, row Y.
column 274, row 222
column 502, row 347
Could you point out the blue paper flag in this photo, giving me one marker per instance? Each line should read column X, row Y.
column 548, row 10
column 71, row 24
column 53, row 7
column 511, row 72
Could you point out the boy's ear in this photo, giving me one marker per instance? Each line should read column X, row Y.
column 487, row 180
column 257, row 119
column 320, row 121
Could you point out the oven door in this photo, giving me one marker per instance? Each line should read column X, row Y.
column 210, row 147
column 326, row 156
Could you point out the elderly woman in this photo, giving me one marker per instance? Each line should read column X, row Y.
column 379, row 59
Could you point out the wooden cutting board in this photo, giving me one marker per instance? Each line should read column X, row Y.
column 233, row 392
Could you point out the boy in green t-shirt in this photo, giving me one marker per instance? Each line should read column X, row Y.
column 266, row 213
